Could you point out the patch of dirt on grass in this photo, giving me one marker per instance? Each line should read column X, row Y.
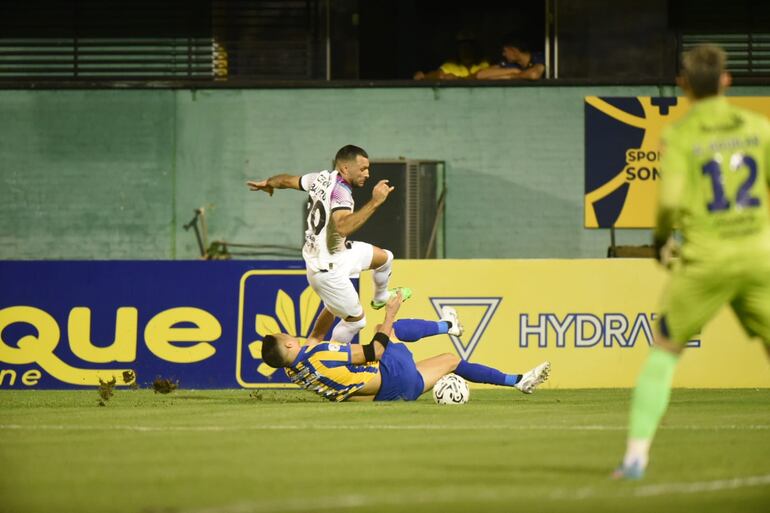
column 164, row 386
column 129, row 377
column 106, row 390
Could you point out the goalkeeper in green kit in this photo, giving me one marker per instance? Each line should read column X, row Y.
column 714, row 187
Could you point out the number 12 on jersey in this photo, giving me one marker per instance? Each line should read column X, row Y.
column 744, row 199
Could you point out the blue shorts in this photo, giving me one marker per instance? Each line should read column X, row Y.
column 400, row 378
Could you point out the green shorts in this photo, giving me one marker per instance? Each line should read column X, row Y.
column 697, row 291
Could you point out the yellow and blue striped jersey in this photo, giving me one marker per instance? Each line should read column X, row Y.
column 325, row 369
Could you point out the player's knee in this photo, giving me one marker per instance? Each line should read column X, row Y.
column 345, row 330
column 452, row 360
column 664, row 340
column 381, row 259
column 388, row 257
column 355, row 322
column 351, row 313
column 355, row 317
column 668, row 345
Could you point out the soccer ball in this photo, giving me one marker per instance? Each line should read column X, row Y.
column 451, row 389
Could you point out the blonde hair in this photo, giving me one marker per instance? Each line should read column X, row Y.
column 702, row 67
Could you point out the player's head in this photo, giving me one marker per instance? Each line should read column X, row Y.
column 515, row 49
column 703, row 72
column 468, row 51
column 279, row 350
column 353, row 164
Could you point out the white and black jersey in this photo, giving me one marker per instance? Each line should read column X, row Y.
column 328, row 192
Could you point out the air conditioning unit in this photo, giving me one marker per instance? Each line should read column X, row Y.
column 411, row 222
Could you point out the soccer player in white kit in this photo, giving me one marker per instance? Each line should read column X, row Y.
column 330, row 259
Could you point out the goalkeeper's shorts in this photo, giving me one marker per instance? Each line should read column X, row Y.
column 698, row 290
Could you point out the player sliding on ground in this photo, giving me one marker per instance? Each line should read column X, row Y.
column 715, row 177
column 330, row 259
column 383, row 370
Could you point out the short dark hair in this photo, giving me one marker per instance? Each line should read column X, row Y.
column 702, row 67
column 349, row 152
column 517, row 42
column 271, row 355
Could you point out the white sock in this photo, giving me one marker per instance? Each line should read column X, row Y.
column 381, row 277
column 638, row 449
column 344, row 331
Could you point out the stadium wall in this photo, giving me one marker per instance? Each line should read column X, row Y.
column 114, row 174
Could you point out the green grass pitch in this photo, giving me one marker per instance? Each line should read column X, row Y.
column 237, row 452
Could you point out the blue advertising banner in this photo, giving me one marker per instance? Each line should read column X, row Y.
column 68, row 324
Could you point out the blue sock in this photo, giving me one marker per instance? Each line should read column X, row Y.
column 409, row 330
column 478, row 373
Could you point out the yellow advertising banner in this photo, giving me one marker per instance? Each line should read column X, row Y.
column 593, row 319
column 622, row 157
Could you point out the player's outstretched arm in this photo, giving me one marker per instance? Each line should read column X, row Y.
column 500, row 73
column 393, row 305
column 496, row 73
column 347, row 222
column 321, row 327
column 275, row 182
column 373, row 351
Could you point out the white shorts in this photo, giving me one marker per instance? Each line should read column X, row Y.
column 334, row 286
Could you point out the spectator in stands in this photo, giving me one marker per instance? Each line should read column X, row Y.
column 465, row 65
column 519, row 62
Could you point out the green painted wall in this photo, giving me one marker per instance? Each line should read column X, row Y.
column 113, row 174
column 86, row 174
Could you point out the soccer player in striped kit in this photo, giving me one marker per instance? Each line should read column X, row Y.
column 384, row 370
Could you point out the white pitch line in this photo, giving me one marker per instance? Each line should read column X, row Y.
column 378, row 427
column 662, row 489
column 703, row 486
column 444, row 495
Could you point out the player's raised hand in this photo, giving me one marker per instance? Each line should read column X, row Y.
column 668, row 253
column 262, row 185
column 394, row 303
column 381, row 191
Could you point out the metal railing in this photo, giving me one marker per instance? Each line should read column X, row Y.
column 209, row 40
column 104, row 58
column 748, row 54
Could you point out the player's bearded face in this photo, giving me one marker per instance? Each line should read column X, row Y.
column 358, row 171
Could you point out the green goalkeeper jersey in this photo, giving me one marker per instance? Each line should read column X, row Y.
column 715, row 174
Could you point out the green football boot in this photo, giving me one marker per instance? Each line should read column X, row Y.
column 406, row 293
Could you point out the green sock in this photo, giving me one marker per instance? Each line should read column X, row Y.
column 652, row 392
